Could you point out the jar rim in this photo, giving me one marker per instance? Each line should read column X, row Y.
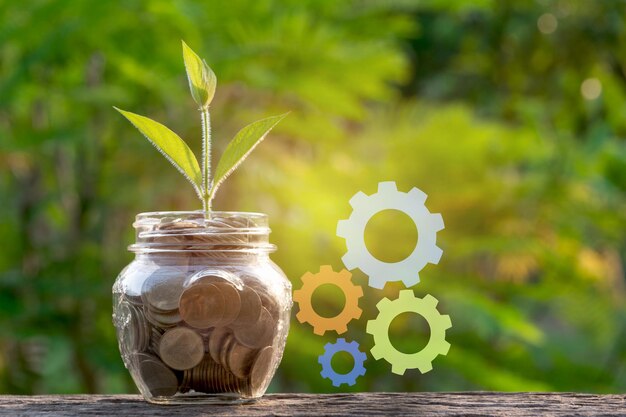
column 192, row 231
column 174, row 213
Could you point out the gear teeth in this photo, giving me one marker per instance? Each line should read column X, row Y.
column 383, row 304
column 445, row 348
column 445, row 322
column 376, row 352
column 387, row 187
column 358, row 292
column 430, row 301
column 418, row 195
column 297, row 295
column 336, row 383
column 425, row 367
column 398, row 369
column 301, row 317
column 357, row 314
column 377, row 282
column 341, row 329
column 435, row 255
column 318, row 330
column 345, row 275
column 411, row 281
column 326, row 269
column 436, row 221
column 307, row 278
column 362, row 356
column 343, row 228
column 358, row 199
column 407, row 296
column 350, row 260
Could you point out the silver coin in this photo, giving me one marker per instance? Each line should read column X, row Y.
column 160, row 320
column 250, row 308
column 162, row 290
column 157, row 377
column 216, row 342
column 202, row 306
column 181, row 348
column 240, row 360
column 232, row 302
column 225, row 349
column 261, row 368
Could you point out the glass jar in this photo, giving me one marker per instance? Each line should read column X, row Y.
column 202, row 313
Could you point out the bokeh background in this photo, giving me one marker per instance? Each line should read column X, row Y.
column 510, row 115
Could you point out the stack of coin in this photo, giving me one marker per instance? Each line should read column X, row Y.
column 206, row 332
column 211, row 377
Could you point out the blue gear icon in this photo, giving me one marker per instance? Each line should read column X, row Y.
column 342, row 346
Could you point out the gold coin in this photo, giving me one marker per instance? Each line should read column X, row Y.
column 181, row 348
column 250, row 308
column 232, row 302
column 216, row 342
column 157, row 377
column 240, row 360
column 202, row 306
column 259, row 334
column 162, row 290
column 261, row 367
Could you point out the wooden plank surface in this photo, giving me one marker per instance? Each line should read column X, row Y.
column 363, row 404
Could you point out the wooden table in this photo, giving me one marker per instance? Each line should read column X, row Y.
column 363, row 404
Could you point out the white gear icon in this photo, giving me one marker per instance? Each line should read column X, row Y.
column 412, row 204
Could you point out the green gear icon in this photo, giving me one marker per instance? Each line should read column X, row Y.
column 407, row 302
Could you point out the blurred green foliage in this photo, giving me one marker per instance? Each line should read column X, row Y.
column 510, row 115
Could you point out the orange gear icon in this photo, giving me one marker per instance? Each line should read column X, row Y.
column 343, row 280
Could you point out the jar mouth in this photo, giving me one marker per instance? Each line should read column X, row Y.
column 193, row 231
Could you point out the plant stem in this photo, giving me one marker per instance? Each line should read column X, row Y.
column 206, row 160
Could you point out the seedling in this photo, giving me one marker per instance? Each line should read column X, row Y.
column 202, row 83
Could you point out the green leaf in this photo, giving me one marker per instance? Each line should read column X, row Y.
column 170, row 145
column 202, row 79
column 240, row 147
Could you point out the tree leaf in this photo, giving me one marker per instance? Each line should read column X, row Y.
column 240, row 147
column 170, row 145
column 202, row 79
